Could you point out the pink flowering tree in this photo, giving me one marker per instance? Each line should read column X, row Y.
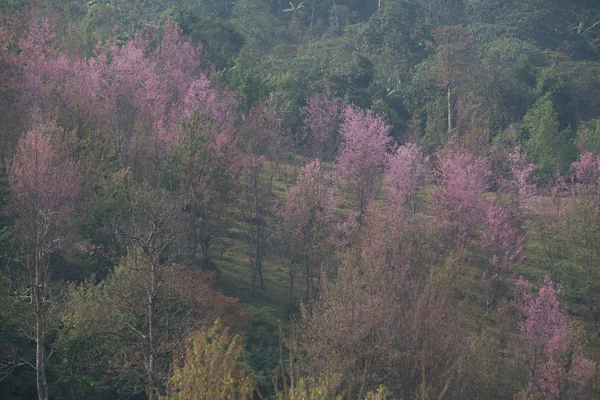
column 208, row 102
column 136, row 94
column 387, row 238
column 554, row 363
column 128, row 98
column 322, row 117
column 44, row 189
column 585, row 174
column 406, row 175
column 363, row 158
column 304, row 221
column 462, row 179
column 512, row 175
column 503, row 236
column 43, row 71
column 502, row 241
column 522, row 187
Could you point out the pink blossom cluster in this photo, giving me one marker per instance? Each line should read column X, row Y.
column 552, row 345
column 462, row 179
column 322, row 116
column 40, row 180
column 363, row 158
column 309, row 205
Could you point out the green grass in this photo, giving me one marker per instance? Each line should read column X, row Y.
column 233, row 264
column 272, row 301
column 538, row 263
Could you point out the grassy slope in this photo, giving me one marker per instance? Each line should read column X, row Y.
column 269, row 304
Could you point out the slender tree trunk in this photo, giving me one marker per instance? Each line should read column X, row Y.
column 204, row 245
column 253, row 261
column 449, row 110
column 192, row 236
column 423, row 380
column 150, row 334
column 40, row 351
column 260, row 275
column 307, row 282
column 253, row 279
column 40, row 354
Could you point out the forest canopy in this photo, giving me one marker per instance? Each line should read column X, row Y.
column 318, row 199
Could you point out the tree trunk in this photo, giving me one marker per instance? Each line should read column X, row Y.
column 307, row 283
column 150, row 368
column 192, row 236
column 253, row 269
column 204, row 245
column 40, row 351
column 40, row 354
column 291, row 287
column 260, row 275
column 449, row 110
column 423, row 380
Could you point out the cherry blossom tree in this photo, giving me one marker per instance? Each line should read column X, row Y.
column 43, row 71
column 407, row 173
column 585, row 174
column 304, row 222
column 363, row 157
column 555, row 363
column 502, row 241
column 322, row 117
column 462, row 179
column 138, row 93
column 513, row 176
column 373, row 324
column 44, row 189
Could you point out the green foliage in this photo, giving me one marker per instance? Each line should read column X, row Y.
column 246, row 80
column 220, row 38
column 213, row 368
column 340, row 16
column 396, row 35
column 543, row 21
column 262, row 347
column 522, row 57
column 11, row 6
column 588, row 137
column 554, row 86
column 260, row 28
column 17, row 379
column 288, row 96
column 551, row 150
column 107, row 200
column 533, row 80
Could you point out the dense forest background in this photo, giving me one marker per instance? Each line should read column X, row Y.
column 362, row 199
